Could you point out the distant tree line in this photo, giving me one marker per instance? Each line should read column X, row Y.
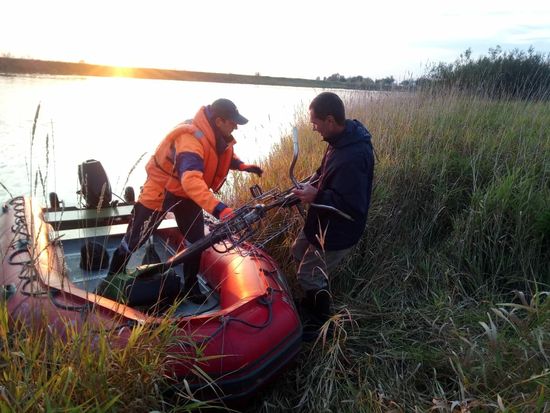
column 360, row 82
column 500, row 74
column 514, row 74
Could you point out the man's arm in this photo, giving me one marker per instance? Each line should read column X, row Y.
column 190, row 169
column 239, row 165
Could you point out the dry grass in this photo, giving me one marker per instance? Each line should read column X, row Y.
column 83, row 364
column 70, row 367
column 443, row 305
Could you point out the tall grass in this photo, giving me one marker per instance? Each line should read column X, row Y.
column 443, row 304
column 77, row 363
column 76, row 367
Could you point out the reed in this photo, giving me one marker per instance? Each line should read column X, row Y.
column 84, row 369
column 85, row 366
column 443, row 304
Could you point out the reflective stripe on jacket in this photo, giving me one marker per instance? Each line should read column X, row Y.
column 160, row 167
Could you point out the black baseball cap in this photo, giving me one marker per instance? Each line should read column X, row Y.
column 224, row 108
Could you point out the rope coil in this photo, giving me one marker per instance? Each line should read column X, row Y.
column 22, row 244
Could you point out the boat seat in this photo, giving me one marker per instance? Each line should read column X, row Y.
column 78, row 218
column 103, row 231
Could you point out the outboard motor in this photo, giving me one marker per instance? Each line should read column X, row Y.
column 94, row 184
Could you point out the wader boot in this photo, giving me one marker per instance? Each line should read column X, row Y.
column 191, row 290
column 316, row 311
column 118, row 262
column 151, row 256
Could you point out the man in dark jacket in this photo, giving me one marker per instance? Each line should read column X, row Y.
column 342, row 182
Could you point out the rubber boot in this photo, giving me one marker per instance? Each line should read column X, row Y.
column 118, row 262
column 307, row 308
column 191, row 290
column 151, row 256
column 320, row 301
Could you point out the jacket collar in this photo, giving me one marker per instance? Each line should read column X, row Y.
column 340, row 139
column 353, row 132
column 205, row 122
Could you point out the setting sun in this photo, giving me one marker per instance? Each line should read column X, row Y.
column 121, row 71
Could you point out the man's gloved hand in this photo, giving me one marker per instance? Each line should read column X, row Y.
column 255, row 169
column 226, row 213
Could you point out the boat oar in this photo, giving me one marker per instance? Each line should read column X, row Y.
column 114, row 285
column 225, row 230
column 182, row 256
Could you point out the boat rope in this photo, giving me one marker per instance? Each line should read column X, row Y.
column 266, row 300
column 21, row 239
column 20, row 224
column 21, row 244
column 54, row 293
column 32, row 293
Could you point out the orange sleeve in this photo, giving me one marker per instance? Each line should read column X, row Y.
column 194, row 186
column 190, row 168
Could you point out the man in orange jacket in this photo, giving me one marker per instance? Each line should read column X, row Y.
column 190, row 163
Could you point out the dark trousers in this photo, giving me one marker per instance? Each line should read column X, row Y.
column 145, row 221
column 188, row 215
column 190, row 220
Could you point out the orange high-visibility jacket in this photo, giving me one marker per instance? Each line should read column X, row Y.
column 201, row 168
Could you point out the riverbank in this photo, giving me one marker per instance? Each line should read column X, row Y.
column 443, row 306
column 10, row 65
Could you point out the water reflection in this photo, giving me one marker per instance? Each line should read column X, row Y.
column 120, row 121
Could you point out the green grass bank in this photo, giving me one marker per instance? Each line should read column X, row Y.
column 443, row 305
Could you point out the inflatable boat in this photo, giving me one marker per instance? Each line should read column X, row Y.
column 54, row 258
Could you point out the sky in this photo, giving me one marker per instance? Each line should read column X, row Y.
column 289, row 38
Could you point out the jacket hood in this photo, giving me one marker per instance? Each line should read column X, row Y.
column 353, row 133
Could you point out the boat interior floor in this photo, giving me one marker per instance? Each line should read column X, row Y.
column 154, row 250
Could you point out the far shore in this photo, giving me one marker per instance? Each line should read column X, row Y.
column 10, row 65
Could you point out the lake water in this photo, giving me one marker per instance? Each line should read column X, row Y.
column 116, row 121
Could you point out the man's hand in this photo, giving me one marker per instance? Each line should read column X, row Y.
column 306, row 193
column 226, row 213
column 255, row 169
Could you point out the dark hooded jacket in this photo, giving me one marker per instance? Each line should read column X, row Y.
column 345, row 182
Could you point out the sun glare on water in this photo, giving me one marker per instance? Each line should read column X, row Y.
column 121, row 71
